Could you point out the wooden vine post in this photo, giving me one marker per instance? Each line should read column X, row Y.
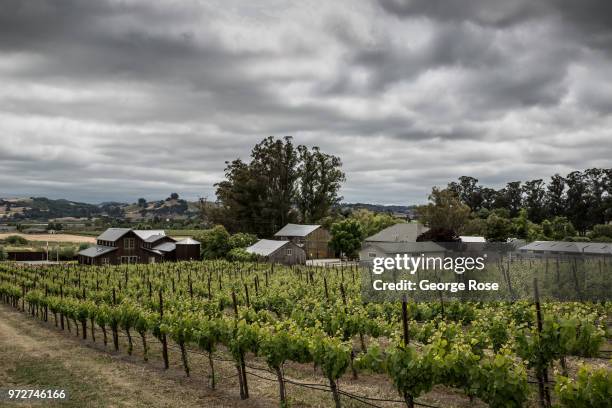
column 114, row 325
column 240, row 365
column 23, row 295
column 164, row 342
column 46, row 312
column 542, row 373
column 61, row 313
column 209, row 294
column 406, row 338
column 343, row 294
column 84, row 320
column 246, row 293
column 326, row 290
column 405, row 320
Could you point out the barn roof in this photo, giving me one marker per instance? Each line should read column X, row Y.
column 402, row 232
column 266, row 247
column 165, row 247
column 188, row 241
column 96, row 250
column 406, row 247
column 598, row 248
column 146, row 234
column 296, row 230
column 472, row 239
column 593, row 248
column 154, row 238
column 113, row 234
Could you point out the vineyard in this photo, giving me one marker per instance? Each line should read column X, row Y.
column 263, row 318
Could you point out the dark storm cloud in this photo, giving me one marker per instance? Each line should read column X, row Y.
column 593, row 18
column 485, row 12
column 115, row 99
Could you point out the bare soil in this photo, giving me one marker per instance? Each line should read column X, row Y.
column 34, row 356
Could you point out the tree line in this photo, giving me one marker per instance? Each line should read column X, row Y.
column 583, row 197
column 282, row 183
column 575, row 207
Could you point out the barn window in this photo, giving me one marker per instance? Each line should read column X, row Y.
column 129, row 259
column 128, row 243
column 372, row 255
column 289, row 251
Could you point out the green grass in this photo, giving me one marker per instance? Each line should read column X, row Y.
column 84, row 233
column 45, row 373
column 184, row 232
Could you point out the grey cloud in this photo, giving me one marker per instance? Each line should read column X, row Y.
column 593, row 18
column 485, row 12
column 117, row 99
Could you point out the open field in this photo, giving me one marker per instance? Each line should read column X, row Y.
column 78, row 239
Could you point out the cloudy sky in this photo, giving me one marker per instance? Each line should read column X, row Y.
column 113, row 100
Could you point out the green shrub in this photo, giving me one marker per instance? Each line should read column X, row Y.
column 577, row 239
column 240, row 255
column 241, row 240
column 16, row 240
column 67, row 253
column 591, row 388
column 601, row 231
column 214, row 242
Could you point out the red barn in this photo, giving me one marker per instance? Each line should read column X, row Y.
column 125, row 245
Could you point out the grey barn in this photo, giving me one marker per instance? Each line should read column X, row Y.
column 403, row 232
column 277, row 251
column 371, row 250
column 568, row 248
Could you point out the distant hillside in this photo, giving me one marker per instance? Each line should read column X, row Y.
column 44, row 209
column 379, row 208
column 171, row 207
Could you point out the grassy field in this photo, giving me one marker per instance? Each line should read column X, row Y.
column 77, row 239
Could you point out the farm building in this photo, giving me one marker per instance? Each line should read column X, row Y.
column 125, row 245
column 314, row 239
column 35, row 230
column 567, row 248
column 466, row 239
column 403, row 232
column 278, row 251
column 469, row 243
column 188, row 249
column 371, row 250
column 26, row 256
